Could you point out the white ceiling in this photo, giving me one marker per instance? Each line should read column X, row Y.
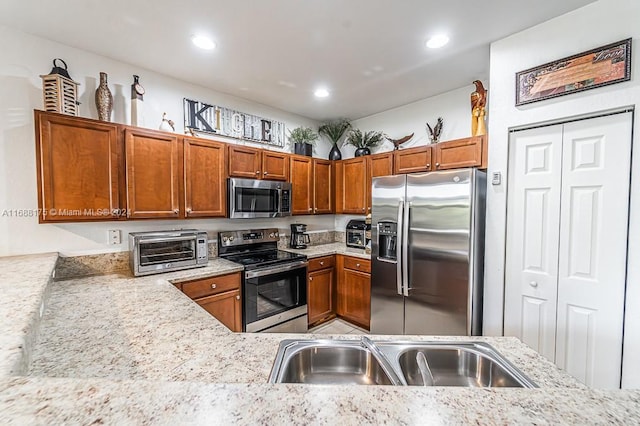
column 369, row 53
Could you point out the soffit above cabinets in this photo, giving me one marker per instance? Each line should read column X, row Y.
column 370, row 54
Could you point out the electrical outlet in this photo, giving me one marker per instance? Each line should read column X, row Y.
column 115, row 236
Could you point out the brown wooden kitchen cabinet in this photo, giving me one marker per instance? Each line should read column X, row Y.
column 153, row 174
column 377, row 165
column 254, row 163
column 352, row 186
column 205, row 175
column 312, row 185
column 412, row 160
column 460, row 153
column 220, row 296
column 80, row 173
column 321, row 293
column 354, row 290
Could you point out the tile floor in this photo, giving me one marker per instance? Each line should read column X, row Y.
column 337, row 326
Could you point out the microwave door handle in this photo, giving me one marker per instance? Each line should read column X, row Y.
column 278, row 197
column 399, row 246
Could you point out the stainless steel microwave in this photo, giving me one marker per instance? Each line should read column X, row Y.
column 249, row 198
column 164, row 251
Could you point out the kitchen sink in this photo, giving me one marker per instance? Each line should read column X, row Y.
column 328, row 362
column 465, row 364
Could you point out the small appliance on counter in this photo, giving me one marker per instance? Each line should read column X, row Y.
column 299, row 237
column 164, row 251
column 358, row 234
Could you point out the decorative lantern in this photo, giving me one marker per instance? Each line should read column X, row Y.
column 59, row 92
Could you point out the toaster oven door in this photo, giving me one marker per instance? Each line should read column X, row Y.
column 157, row 254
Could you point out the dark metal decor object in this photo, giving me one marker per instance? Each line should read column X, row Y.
column 104, row 99
column 598, row 67
column 335, row 153
column 303, row 149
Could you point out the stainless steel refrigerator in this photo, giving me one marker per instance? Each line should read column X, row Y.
column 427, row 236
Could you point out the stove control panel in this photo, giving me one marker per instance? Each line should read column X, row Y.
column 250, row 236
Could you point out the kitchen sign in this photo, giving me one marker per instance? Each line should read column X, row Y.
column 217, row 120
column 605, row 65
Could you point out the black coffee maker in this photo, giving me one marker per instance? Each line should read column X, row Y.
column 299, row 237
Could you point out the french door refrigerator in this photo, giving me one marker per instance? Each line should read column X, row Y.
column 427, row 236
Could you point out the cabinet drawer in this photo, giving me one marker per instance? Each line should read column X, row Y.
column 321, row 263
column 357, row 264
column 214, row 285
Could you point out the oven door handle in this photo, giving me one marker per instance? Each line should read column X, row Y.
column 275, row 270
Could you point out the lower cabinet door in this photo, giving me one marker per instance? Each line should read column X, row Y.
column 320, row 295
column 226, row 307
column 354, row 297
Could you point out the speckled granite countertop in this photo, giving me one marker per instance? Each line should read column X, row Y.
column 118, row 349
column 328, row 249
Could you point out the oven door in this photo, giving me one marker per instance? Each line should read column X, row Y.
column 250, row 198
column 274, row 296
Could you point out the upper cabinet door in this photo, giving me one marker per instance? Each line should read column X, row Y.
column 275, row 165
column 204, row 178
column 301, row 185
column 244, row 162
column 79, row 166
column 378, row 165
column 322, row 186
column 413, row 160
column 459, row 153
column 354, row 185
column 153, row 174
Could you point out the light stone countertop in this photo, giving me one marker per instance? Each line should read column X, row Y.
column 116, row 349
column 329, row 249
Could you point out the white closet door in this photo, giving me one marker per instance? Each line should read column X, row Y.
column 533, row 214
column 593, row 248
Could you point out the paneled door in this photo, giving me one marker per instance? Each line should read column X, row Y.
column 593, row 248
column 567, row 220
column 531, row 269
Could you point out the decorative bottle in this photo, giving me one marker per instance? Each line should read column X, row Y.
column 104, row 99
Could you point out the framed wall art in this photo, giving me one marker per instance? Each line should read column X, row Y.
column 598, row 67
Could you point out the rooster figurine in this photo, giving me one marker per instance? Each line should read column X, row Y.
column 436, row 131
column 397, row 142
column 478, row 111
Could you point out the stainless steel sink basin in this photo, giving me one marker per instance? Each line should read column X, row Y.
column 461, row 365
column 327, row 362
column 472, row 364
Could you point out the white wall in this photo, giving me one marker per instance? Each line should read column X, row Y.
column 454, row 107
column 597, row 24
column 23, row 59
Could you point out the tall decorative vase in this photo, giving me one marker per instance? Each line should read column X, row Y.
column 104, row 99
column 335, row 153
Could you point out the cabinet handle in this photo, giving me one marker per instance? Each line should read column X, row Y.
column 310, row 278
column 257, row 172
column 310, row 209
column 264, row 173
column 357, row 265
column 238, row 297
column 188, row 211
column 437, row 164
column 321, row 263
column 533, row 284
column 363, row 209
column 315, row 209
column 213, row 286
column 176, row 211
column 428, row 165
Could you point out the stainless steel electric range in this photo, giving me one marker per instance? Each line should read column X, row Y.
column 274, row 283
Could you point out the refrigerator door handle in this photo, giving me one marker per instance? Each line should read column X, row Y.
column 400, row 239
column 405, row 248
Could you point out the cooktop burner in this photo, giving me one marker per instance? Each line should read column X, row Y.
column 256, row 259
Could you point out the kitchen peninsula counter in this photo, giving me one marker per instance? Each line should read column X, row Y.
column 118, row 349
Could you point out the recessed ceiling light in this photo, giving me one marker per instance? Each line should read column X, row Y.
column 203, row 42
column 437, row 41
column 321, row 93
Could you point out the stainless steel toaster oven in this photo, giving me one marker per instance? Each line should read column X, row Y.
column 163, row 251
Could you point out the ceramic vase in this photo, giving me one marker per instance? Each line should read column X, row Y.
column 104, row 99
column 335, row 153
column 362, row 151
